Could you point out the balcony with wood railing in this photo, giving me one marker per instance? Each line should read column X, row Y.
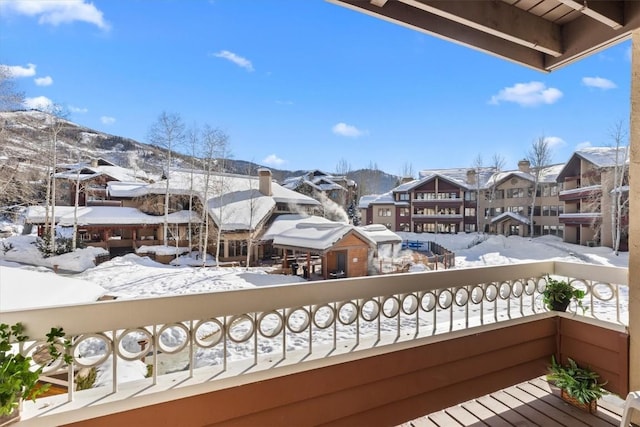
column 374, row 350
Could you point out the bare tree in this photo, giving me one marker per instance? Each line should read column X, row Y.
column 477, row 167
column 214, row 150
column 539, row 157
column 496, row 165
column 343, row 167
column 55, row 121
column 10, row 97
column 407, row 171
column 619, row 204
column 167, row 132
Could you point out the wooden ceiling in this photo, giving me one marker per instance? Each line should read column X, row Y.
column 541, row 34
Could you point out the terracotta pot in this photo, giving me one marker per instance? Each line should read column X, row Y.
column 591, row 407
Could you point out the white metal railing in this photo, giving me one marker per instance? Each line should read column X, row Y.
column 185, row 336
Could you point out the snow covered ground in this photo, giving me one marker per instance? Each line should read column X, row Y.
column 27, row 279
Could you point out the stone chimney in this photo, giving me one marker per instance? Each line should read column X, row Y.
column 94, row 163
column 406, row 179
column 264, row 177
column 471, row 176
column 524, row 166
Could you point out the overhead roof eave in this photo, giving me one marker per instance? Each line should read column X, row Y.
column 546, row 37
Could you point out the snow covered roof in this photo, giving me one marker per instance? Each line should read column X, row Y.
column 380, row 234
column 317, row 180
column 512, row 215
column 604, row 156
column 313, row 233
column 87, row 171
column 377, row 199
column 233, row 200
column 106, row 215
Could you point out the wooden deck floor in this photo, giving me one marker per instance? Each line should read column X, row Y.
column 532, row 403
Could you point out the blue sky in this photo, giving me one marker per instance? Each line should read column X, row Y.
column 303, row 84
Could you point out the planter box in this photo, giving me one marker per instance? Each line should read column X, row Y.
column 591, row 407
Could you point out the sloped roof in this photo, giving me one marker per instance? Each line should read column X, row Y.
column 378, row 199
column 380, row 234
column 233, row 200
column 312, row 233
column 601, row 157
column 103, row 167
column 510, row 215
column 106, row 215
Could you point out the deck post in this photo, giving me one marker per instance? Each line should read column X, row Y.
column 634, row 218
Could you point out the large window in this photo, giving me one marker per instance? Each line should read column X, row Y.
column 403, row 197
column 404, row 226
column 237, row 248
column 469, row 211
column 384, row 212
column 469, row 195
column 514, row 193
column 404, row 211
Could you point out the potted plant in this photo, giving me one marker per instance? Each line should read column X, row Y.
column 19, row 374
column 579, row 386
column 558, row 294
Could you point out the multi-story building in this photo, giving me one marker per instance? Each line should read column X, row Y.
column 466, row 200
column 321, row 186
column 591, row 178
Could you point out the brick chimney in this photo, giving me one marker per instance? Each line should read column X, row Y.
column 524, row 166
column 264, row 178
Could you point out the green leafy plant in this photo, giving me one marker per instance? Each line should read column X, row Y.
column 558, row 294
column 19, row 374
column 580, row 383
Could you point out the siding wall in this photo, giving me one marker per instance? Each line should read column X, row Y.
column 388, row 389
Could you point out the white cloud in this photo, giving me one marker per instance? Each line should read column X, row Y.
column 56, row 12
column 554, row 141
column 17, row 71
column 598, row 82
column 527, row 94
column 273, row 160
column 41, row 103
column 582, row 145
column 78, row 109
column 107, row 120
column 43, row 81
column 344, row 129
column 236, row 59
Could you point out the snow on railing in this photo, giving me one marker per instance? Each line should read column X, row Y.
column 208, row 334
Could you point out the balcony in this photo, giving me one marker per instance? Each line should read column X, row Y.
column 438, row 217
column 376, row 350
column 581, row 193
column 578, row 218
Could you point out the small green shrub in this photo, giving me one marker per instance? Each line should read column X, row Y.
column 580, row 383
column 559, row 292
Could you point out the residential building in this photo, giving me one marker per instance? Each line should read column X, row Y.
column 322, row 186
column 591, row 178
column 238, row 207
column 465, row 200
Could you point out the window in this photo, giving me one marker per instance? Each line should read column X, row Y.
column 237, row 248
column 469, row 228
column 554, row 190
column 469, row 211
column 469, row 195
column 384, row 212
column 545, row 211
column 404, row 211
column 403, row 197
column 404, row 226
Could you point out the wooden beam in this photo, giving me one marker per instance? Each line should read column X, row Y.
column 609, row 13
column 499, row 19
column 583, row 37
column 401, row 14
